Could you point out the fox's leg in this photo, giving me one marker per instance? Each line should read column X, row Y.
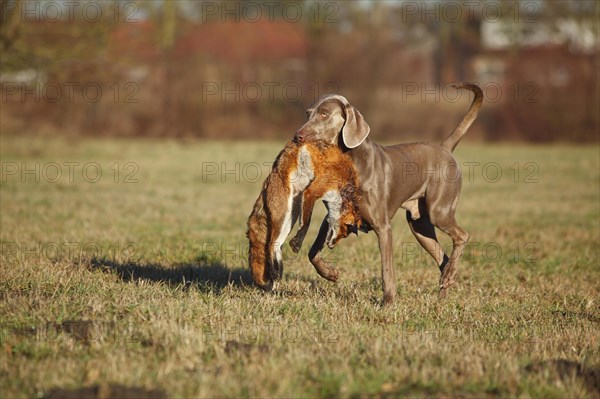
column 273, row 266
column 314, row 255
column 281, row 225
column 308, row 202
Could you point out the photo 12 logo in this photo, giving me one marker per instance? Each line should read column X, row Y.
column 469, row 171
column 254, row 11
column 70, row 251
column 527, row 11
column 487, row 252
column 68, row 172
column 71, row 11
column 270, row 91
column 14, row 90
column 236, row 253
column 493, row 92
column 84, row 331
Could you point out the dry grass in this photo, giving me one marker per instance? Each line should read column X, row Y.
column 164, row 300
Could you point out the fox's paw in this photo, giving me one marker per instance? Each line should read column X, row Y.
column 296, row 244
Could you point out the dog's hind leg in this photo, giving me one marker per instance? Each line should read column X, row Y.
column 440, row 202
column 459, row 239
column 424, row 232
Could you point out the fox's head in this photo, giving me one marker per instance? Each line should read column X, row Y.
column 349, row 220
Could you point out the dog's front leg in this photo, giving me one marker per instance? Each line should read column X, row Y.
column 384, row 236
column 314, row 255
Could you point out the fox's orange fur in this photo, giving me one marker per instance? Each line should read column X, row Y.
column 307, row 171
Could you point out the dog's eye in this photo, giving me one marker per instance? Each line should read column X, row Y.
column 323, row 115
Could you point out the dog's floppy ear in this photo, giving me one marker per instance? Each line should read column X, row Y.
column 356, row 129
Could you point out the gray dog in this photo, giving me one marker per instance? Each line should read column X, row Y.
column 424, row 179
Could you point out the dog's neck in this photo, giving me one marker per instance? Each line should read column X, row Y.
column 362, row 156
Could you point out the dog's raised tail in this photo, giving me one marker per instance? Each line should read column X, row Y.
column 452, row 140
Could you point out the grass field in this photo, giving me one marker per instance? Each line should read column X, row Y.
column 139, row 277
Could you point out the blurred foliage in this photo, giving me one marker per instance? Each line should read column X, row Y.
column 248, row 69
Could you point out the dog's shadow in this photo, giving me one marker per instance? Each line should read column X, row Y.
column 204, row 274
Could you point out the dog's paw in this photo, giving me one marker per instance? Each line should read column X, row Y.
column 445, row 283
column 388, row 299
column 443, row 293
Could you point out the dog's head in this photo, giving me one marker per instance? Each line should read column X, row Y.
column 331, row 115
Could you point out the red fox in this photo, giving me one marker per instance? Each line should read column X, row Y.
column 301, row 173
